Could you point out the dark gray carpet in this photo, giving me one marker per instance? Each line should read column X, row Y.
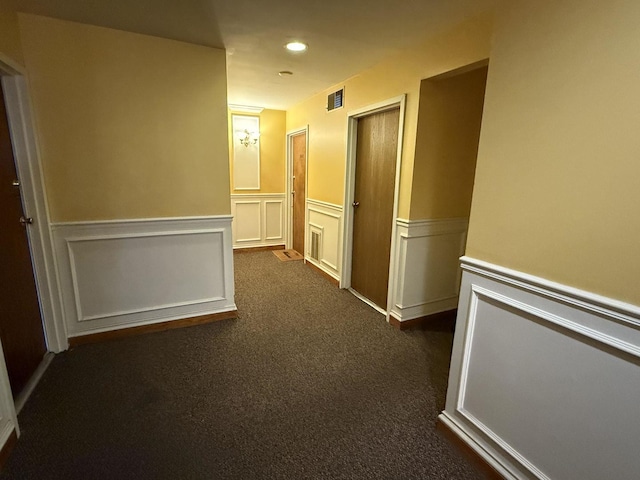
column 309, row 382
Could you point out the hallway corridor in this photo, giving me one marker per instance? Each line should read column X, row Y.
column 308, row 383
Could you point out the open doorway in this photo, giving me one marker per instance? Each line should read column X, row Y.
column 433, row 238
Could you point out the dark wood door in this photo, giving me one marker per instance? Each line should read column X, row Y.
column 376, row 155
column 20, row 322
column 299, row 186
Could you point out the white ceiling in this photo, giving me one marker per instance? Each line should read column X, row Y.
column 344, row 36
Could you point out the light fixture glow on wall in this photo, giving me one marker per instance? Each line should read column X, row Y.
column 248, row 138
column 296, row 46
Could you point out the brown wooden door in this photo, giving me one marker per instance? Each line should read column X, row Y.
column 299, row 186
column 376, row 155
column 20, row 322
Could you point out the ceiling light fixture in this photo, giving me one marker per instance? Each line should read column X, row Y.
column 285, row 73
column 296, row 46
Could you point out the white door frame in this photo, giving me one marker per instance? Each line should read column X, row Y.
column 289, row 183
column 349, row 189
column 27, row 159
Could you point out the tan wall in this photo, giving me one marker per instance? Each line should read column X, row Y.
column 557, row 184
column 272, row 151
column 447, row 138
column 130, row 126
column 467, row 43
column 9, row 32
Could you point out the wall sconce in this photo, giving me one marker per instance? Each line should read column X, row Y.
column 249, row 138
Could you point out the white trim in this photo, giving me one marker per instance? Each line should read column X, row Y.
column 266, row 202
column 570, row 321
column 486, row 455
column 259, row 219
column 419, row 286
column 29, row 168
column 320, row 203
column 332, row 215
column 326, row 219
column 8, row 415
column 28, row 389
column 350, row 168
column 289, row 185
column 245, row 109
column 152, row 321
column 139, row 220
column 279, row 196
column 254, row 158
column 432, row 226
column 583, row 299
column 212, row 244
column 322, row 268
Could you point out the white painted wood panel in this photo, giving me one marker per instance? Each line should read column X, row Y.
column 248, row 221
column 325, row 219
column 273, row 220
column 122, row 273
column 258, row 219
column 246, row 158
column 544, row 379
column 427, row 272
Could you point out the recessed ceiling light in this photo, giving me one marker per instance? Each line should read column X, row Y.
column 296, row 46
column 285, row 73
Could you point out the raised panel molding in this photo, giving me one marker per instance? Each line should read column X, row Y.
column 544, row 378
column 427, row 273
column 325, row 219
column 123, row 273
column 258, row 219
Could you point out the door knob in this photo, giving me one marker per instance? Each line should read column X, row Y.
column 26, row 221
column 356, row 204
column 15, row 183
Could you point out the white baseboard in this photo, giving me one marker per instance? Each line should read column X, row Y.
column 258, row 219
column 117, row 274
column 544, row 378
column 427, row 272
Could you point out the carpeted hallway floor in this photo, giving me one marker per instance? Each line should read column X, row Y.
column 309, row 383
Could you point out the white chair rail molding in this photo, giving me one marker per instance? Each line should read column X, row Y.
column 124, row 273
column 545, row 378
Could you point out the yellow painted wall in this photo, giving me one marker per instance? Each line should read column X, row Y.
column 447, row 138
column 467, row 43
column 272, row 151
column 130, row 126
column 10, row 45
column 558, row 177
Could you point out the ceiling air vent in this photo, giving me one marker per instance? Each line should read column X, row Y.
column 335, row 100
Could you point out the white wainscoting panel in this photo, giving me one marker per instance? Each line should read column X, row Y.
column 258, row 219
column 427, row 272
column 117, row 274
column 545, row 379
column 325, row 219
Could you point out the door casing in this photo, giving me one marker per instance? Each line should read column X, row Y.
column 29, row 168
column 289, row 192
column 349, row 191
